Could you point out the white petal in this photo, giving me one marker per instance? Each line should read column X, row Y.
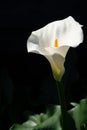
column 61, row 50
column 67, row 31
column 57, row 65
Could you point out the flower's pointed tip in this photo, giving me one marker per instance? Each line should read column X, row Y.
column 70, row 17
column 81, row 26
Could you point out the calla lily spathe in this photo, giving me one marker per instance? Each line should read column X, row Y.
column 54, row 40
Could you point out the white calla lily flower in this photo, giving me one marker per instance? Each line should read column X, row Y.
column 54, row 40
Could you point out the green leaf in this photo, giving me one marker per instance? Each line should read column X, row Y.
column 51, row 120
column 74, row 104
column 79, row 114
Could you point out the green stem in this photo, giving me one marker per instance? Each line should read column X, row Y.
column 62, row 102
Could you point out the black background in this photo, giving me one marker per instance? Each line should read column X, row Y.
column 26, row 81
